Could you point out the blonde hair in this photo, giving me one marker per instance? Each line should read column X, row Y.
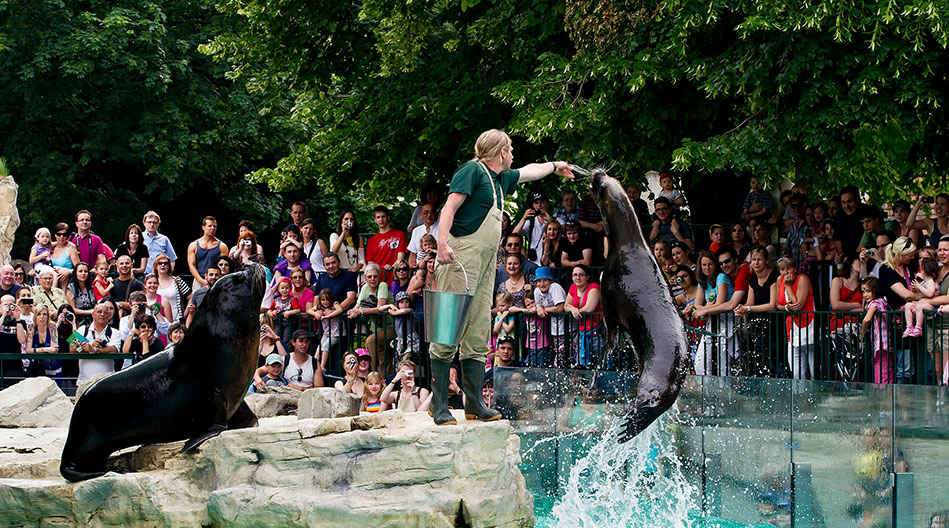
column 42, row 308
column 151, row 214
column 490, row 144
column 504, row 297
column 900, row 247
column 369, row 377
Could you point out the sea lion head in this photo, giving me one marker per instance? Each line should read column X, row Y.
column 613, row 202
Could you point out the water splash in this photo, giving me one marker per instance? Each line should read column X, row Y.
column 639, row 484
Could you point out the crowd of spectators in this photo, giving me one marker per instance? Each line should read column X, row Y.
column 787, row 252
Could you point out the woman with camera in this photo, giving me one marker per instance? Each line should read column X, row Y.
column 351, row 383
column 936, row 226
column 348, row 244
column 248, row 250
column 408, row 398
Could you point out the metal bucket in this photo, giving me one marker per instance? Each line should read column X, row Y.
column 446, row 313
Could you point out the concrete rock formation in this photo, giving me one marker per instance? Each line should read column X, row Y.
column 390, row 469
column 34, row 402
column 277, row 401
column 327, row 402
column 9, row 217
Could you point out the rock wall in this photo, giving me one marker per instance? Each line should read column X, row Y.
column 385, row 470
column 9, row 217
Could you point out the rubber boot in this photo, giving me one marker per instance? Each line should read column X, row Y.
column 472, row 382
column 439, row 407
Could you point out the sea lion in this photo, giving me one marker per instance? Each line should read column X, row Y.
column 190, row 393
column 636, row 298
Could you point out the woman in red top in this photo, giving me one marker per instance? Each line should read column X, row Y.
column 795, row 295
column 583, row 302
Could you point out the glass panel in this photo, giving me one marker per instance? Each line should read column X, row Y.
column 842, row 437
column 922, row 441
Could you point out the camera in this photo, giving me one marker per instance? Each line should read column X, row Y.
column 409, row 373
column 928, row 199
column 68, row 315
column 263, row 329
column 352, row 361
column 349, row 224
column 26, row 301
column 246, row 242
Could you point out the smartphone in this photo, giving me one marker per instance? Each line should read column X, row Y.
column 26, row 301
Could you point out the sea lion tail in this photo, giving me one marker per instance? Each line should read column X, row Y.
column 641, row 414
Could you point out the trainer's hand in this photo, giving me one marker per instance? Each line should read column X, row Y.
column 563, row 169
column 445, row 254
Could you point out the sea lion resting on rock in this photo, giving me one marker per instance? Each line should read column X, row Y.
column 190, row 393
column 636, row 298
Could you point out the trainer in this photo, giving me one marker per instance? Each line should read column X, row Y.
column 468, row 233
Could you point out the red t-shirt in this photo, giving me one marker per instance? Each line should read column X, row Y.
column 742, row 277
column 383, row 249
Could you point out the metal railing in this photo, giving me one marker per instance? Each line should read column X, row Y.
column 67, row 379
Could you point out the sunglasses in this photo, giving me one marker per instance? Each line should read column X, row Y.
column 19, row 274
column 61, row 234
column 402, row 269
column 162, row 263
column 726, row 261
column 515, row 244
column 298, row 376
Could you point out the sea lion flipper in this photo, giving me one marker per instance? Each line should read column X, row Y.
column 192, row 443
column 218, row 424
column 242, row 418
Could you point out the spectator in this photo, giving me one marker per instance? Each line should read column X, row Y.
column 506, row 229
column 270, row 342
column 567, row 211
column 667, row 227
column 224, row 264
column 685, row 278
column 740, row 240
column 348, row 244
column 173, row 289
column 203, row 251
column 64, row 256
column 939, row 337
column 536, row 339
column 549, row 298
column 514, row 246
column 820, row 213
column 42, row 338
column 313, row 247
column 829, row 247
column 388, row 245
column 133, row 246
column 270, row 374
column 429, row 226
column 503, row 318
column 668, row 191
column 302, row 371
column 124, row 285
column 716, row 287
column 45, row 292
column 845, row 295
column 505, row 354
column 341, row 281
column 516, row 283
column 634, row 191
column 156, row 306
column 762, row 236
column 351, row 382
column 432, row 193
column 574, row 250
column 936, row 226
column 40, row 253
column 553, row 234
column 290, row 236
column 24, row 301
column 8, row 285
column 407, row 340
column 926, row 288
column 139, row 310
column 12, row 337
column 157, row 243
column 871, row 219
column 872, row 259
column 242, row 227
column 532, row 225
column 716, row 233
column 327, row 311
column 901, row 214
column 97, row 338
column 408, row 398
column 372, row 396
column 372, row 297
column 762, row 297
column 19, row 274
column 795, row 295
column 282, row 308
column 247, row 251
column 300, row 289
column 89, row 246
column 102, row 284
column 833, row 208
column 757, row 207
column 849, row 228
column 798, row 230
column 298, row 213
column 402, row 278
column 681, row 255
column 594, row 228
column 877, row 320
column 583, row 303
column 210, row 277
column 291, row 263
column 662, row 250
column 80, row 294
column 141, row 341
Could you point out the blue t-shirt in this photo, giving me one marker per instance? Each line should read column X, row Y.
column 341, row 284
column 711, row 292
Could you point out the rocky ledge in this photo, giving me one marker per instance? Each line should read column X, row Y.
column 385, row 470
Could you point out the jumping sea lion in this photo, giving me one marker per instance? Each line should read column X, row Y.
column 636, row 298
column 190, row 393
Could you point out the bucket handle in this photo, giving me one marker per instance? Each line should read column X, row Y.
column 467, row 289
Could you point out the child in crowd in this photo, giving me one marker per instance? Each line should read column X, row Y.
column 102, row 284
column 272, row 374
column 283, row 306
column 427, row 247
column 549, row 298
column 372, row 398
column 716, row 232
column 876, row 307
column 928, row 288
column 503, row 319
column 327, row 311
column 42, row 250
column 406, row 338
column 667, row 183
column 537, row 344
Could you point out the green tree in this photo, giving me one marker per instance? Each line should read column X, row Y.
column 110, row 106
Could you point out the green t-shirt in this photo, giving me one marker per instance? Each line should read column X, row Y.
column 869, row 240
column 471, row 181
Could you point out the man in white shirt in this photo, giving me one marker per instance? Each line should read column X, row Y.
column 100, row 338
column 429, row 214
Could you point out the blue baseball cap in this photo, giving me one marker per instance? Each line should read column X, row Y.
column 543, row 272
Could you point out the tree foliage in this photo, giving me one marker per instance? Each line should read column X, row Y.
column 110, row 106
